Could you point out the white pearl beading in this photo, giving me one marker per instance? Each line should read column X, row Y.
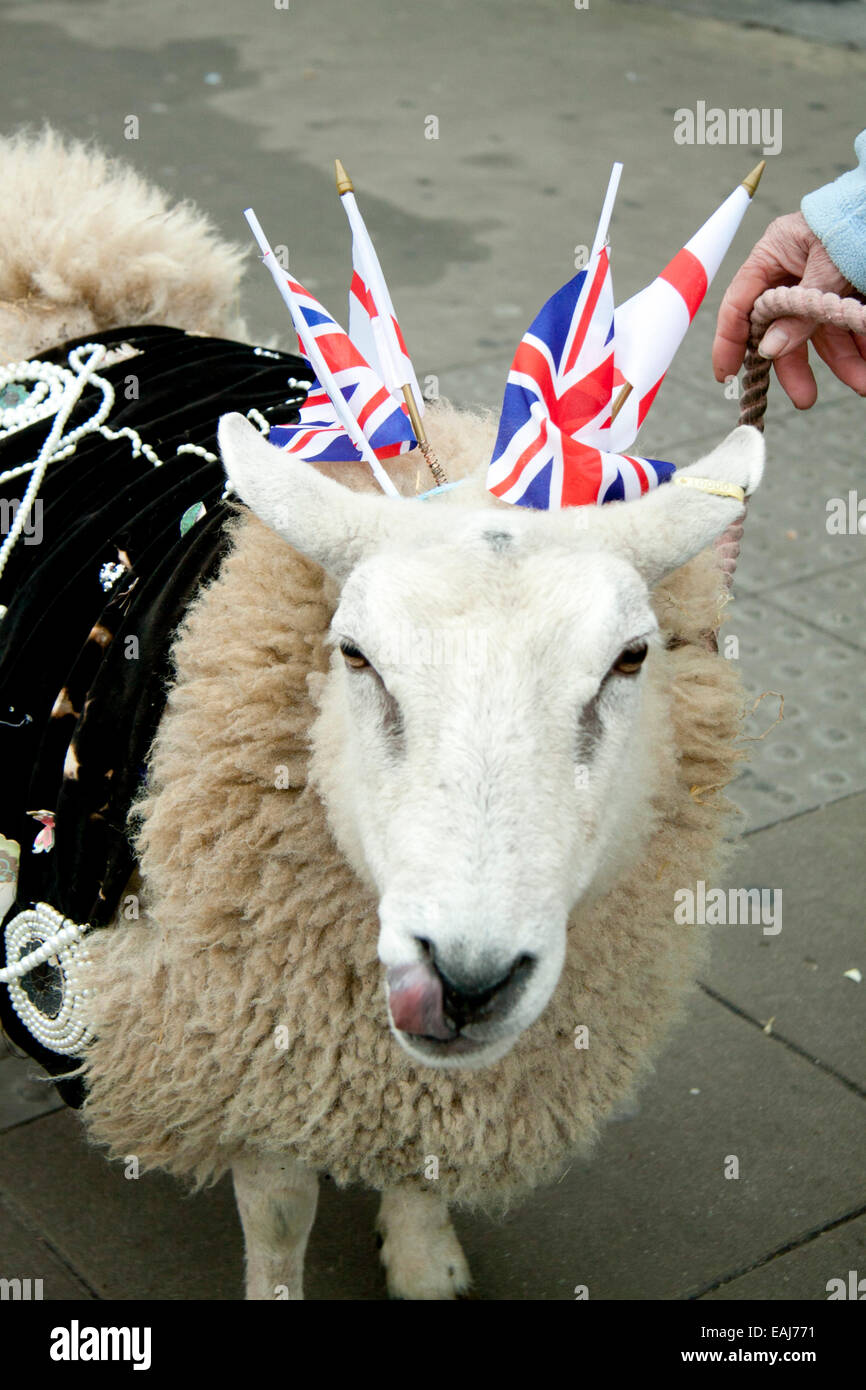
column 256, row 418
column 61, row 943
column 43, row 398
column 197, row 449
column 62, row 389
column 55, row 391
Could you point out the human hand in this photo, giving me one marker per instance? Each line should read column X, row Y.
column 789, row 253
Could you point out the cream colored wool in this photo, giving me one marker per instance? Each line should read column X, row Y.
column 254, row 923
column 87, row 244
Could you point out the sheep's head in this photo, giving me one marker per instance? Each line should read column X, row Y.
column 485, row 743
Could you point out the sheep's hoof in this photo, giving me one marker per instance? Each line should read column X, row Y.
column 437, row 1272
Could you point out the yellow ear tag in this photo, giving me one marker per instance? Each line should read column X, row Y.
column 711, row 485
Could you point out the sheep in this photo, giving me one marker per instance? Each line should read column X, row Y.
column 89, row 244
column 429, row 775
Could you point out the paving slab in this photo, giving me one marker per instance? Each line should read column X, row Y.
column 833, row 602
column 652, row 1216
column 25, row 1089
column 25, row 1256
column 796, row 976
column 811, row 461
column 817, row 752
column 119, row 1233
column 804, row 1273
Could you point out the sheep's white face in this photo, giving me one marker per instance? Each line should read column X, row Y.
column 489, row 758
column 484, row 747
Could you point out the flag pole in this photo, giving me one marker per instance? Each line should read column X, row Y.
column 606, row 209
column 317, row 361
column 600, row 238
column 601, row 230
column 375, row 280
column 625, row 392
column 598, row 243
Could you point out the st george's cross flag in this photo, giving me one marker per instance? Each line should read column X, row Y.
column 319, row 435
column 552, row 448
column 651, row 325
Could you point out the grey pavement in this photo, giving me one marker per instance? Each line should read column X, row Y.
column 239, row 103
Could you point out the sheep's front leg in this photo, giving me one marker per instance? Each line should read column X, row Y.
column 276, row 1199
column 420, row 1250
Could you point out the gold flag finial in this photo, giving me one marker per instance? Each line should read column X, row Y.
column 344, row 183
column 750, row 183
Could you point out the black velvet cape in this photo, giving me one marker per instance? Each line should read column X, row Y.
column 92, row 610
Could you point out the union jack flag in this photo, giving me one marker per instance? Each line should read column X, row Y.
column 319, row 435
column 550, row 450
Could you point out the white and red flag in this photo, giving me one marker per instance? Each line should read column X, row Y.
column 373, row 325
column 649, row 327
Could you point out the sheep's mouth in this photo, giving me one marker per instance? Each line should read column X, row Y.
column 459, row 1051
column 458, row 1046
column 434, row 1034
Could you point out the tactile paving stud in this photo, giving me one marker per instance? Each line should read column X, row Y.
column 817, row 752
column 835, row 601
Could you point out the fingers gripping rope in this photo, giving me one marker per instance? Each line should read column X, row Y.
column 783, row 302
column 790, row 302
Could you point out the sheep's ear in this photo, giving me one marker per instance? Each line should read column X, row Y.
column 666, row 527
column 318, row 517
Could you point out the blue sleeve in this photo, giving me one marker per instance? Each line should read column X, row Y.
column 837, row 215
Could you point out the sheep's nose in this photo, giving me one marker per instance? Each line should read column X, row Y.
column 429, row 1001
column 483, row 995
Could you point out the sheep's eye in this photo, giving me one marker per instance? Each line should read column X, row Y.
column 629, row 662
column 353, row 656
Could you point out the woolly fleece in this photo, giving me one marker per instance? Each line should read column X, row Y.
column 86, row 243
column 253, row 922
